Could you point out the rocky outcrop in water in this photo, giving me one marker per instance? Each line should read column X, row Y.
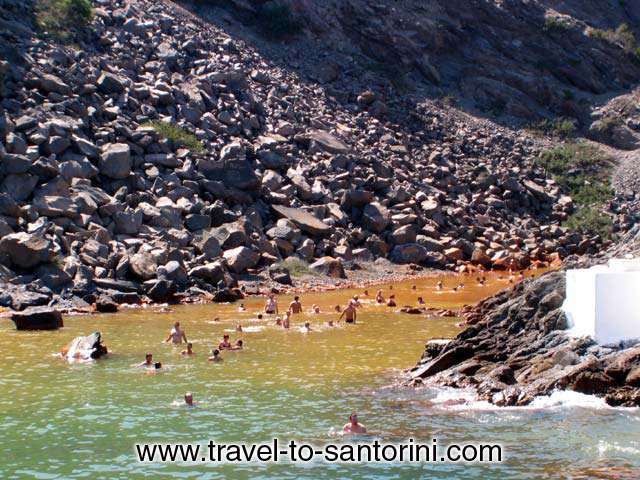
column 515, row 349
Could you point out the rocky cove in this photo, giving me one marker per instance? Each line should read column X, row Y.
column 193, row 152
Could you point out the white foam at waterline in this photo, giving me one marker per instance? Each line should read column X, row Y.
column 604, row 447
column 465, row 400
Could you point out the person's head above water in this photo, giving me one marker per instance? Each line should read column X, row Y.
column 259, row 316
column 216, row 352
column 225, row 336
column 296, row 298
column 239, row 343
column 189, row 345
column 188, row 398
column 176, row 325
column 353, row 418
column 307, row 324
column 148, row 357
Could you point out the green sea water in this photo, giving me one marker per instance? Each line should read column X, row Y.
column 73, row 421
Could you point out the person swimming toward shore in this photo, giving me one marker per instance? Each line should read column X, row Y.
column 353, row 426
column 379, row 297
column 271, row 305
column 189, row 350
column 215, row 356
column 225, row 344
column 241, row 308
column 295, row 306
column 148, row 361
column 176, row 335
column 349, row 313
column 392, row 301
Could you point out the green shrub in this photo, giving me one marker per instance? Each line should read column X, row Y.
column 63, row 19
column 555, row 24
column 560, row 127
column 582, row 171
column 591, row 220
column 296, row 266
column 277, row 21
column 177, row 135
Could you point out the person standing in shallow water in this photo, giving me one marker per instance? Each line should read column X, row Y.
column 176, row 335
column 349, row 313
column 353, row 427
column 271, row 305
column 295, row 306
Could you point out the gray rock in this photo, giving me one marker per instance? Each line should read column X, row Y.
column 115, row 161
column 27, row 250
column 375, row 217
column 241, row 258
column 110, row 83
column 143, row 265
column 408, row 253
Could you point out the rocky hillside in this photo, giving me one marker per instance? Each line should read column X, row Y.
column 153, row 153
column 515, row 348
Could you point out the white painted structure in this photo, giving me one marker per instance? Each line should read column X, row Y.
column 604, row 301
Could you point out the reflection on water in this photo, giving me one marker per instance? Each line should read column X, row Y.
column 63, row 420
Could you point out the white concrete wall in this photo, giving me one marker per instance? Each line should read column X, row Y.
column 603, row 302
column 617, row 307
column 580, row 301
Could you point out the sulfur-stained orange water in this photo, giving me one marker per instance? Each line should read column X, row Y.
column 63, row 421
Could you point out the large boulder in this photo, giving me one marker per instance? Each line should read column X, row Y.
column 56, row 206
column 210, row 272
column 303, row 220
column 408, row 253
column 115, row 161
column 329, row 266
column 375, row 217
column 229, row 235
column 27, row 250
column 143, row 265
column 241, row 258
column 38, row 319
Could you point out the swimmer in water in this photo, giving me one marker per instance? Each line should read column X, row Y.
column 295, row 306
column 238, row 328
column 365, row 293
column 241, row 308
column 330, row 323
column 215, row 356
column 379, row 297
column 225, row 344
column 238, row 345
column 189, row 350
column 315, row 309
column 278, row 320
column 460, row 286
column 188, row 399
column 148, row 361
column 176, row 335
column 259, row 316
column 306, row 328
column 439, row 285
column 420, row 301
column 413, row 287
column 349, row 313
column 337, row 308
column 392, row 301
column 286, row 321
column 356, row 301
column 217, row 319
column 353, row 427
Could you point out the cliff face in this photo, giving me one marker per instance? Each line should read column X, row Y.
column 146, row 156
column 515, row 349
